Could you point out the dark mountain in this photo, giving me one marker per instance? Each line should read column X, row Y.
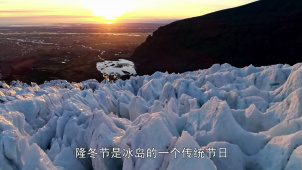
column 260, row 33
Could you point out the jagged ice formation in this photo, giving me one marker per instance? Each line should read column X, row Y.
column 252, row 112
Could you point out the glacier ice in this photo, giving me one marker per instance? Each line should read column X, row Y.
column 253, row 113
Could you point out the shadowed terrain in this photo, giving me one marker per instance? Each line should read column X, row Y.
column 260, row 33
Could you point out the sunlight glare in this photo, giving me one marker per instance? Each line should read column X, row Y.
column 109, row 10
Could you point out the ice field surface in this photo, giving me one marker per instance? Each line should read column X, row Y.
column 252, row 112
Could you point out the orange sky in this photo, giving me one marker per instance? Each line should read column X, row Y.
column 101, row 11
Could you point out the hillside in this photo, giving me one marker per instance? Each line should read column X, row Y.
column 261, row 33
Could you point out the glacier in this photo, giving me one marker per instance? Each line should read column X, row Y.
column 113, row 70
column 250, row 117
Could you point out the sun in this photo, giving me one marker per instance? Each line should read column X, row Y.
column 109, row 10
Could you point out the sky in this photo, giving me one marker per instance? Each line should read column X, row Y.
column 107, row 11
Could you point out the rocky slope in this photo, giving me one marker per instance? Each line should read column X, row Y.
column 261, row 33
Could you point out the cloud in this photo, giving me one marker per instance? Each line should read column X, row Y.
column 22, row 11
column 47, row 17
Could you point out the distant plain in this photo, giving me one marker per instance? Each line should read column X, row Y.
column 69, row 52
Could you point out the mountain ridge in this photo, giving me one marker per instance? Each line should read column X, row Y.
column 260, row 33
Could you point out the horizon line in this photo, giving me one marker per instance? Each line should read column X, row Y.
column 86, row 23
